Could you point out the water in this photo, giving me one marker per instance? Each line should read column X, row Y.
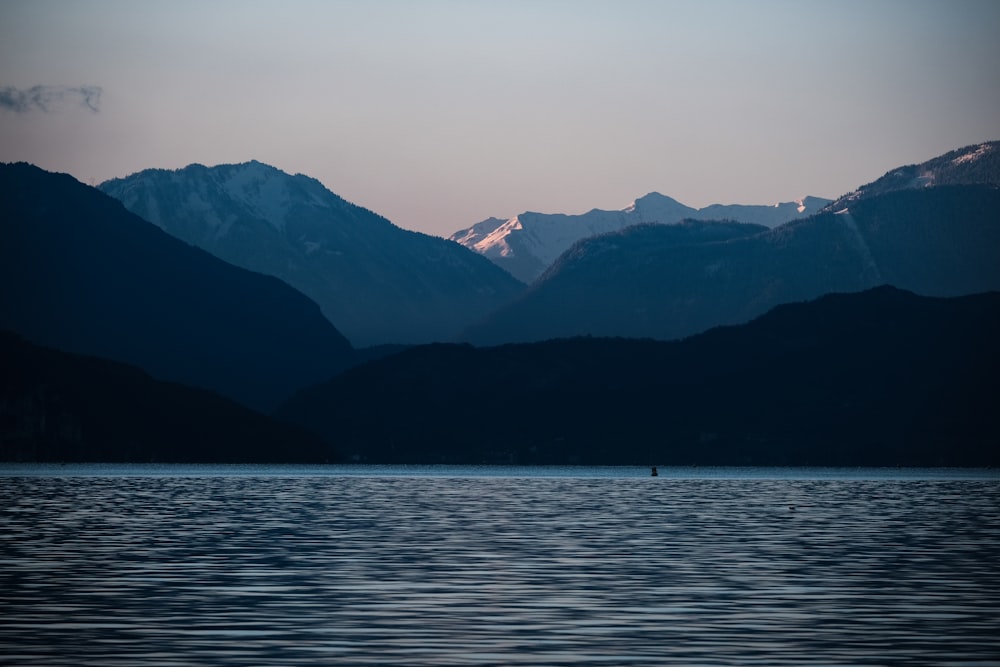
column 190, row 565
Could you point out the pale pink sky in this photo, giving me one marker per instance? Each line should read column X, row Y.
column 439, row 114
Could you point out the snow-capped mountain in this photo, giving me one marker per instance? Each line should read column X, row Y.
column 376, row 282
column 527, row 244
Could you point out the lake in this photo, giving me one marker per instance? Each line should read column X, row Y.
column 394, row 565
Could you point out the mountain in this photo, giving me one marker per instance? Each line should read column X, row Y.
column 882, row 377
column 671, row 281
column 82, row 274
column 60, row 407
column 971, row 165
column 527, row 244
column 376, row 282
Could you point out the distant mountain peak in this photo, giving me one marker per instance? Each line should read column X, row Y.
column 377, row 282
column 650, row 198
column 262, row 189
column 527, row 244
column 654, row 206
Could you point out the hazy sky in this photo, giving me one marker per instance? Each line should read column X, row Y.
column 439, row 114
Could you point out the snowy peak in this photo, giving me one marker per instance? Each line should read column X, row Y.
column 271, row 191
column 222, row 195
column 494, row 242
column 262, row 189
column 477, row 232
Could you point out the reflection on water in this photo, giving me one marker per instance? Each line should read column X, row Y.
column 424, row 569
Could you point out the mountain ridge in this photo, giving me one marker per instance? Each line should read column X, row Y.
column 378, row 283
column 880, row 377
column 527, row 244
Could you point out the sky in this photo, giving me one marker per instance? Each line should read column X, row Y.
column 439, row 114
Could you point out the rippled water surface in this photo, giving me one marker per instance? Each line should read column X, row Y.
column 276, row 566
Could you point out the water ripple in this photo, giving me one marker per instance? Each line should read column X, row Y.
column 479, row 570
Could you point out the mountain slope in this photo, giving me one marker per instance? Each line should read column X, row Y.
column 57, row 406
column 882, row 377
column 378, row 283
column 527, row 244
column 972, row 165
column 82, row 274
column 642, row 282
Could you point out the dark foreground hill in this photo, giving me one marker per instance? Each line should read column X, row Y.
column 671, row 281
column 882, row 377
column 80, row 273
column 56, row 406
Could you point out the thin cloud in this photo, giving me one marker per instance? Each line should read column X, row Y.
column 49, row 98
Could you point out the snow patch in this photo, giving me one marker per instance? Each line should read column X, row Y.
column 981, row 150
column 924, row 180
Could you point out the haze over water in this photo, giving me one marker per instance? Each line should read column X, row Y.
column 194, row 565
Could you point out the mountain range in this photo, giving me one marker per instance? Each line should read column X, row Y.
column 375, row 282
column 527, row 244
column 870, row 376
column 82, row 274
column 671, row 281
column 882, row 377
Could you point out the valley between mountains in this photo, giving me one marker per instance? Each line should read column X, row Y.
column 239, row 313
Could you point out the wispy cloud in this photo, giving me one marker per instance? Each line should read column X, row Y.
column 49, row 98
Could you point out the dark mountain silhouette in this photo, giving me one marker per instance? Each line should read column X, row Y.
column 668, row 282
column 82, row 274
column 978, row 164
column 56, row 406
column 376, row 282
column 883, row 377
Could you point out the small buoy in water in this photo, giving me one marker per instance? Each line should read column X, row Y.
column 654, row 473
